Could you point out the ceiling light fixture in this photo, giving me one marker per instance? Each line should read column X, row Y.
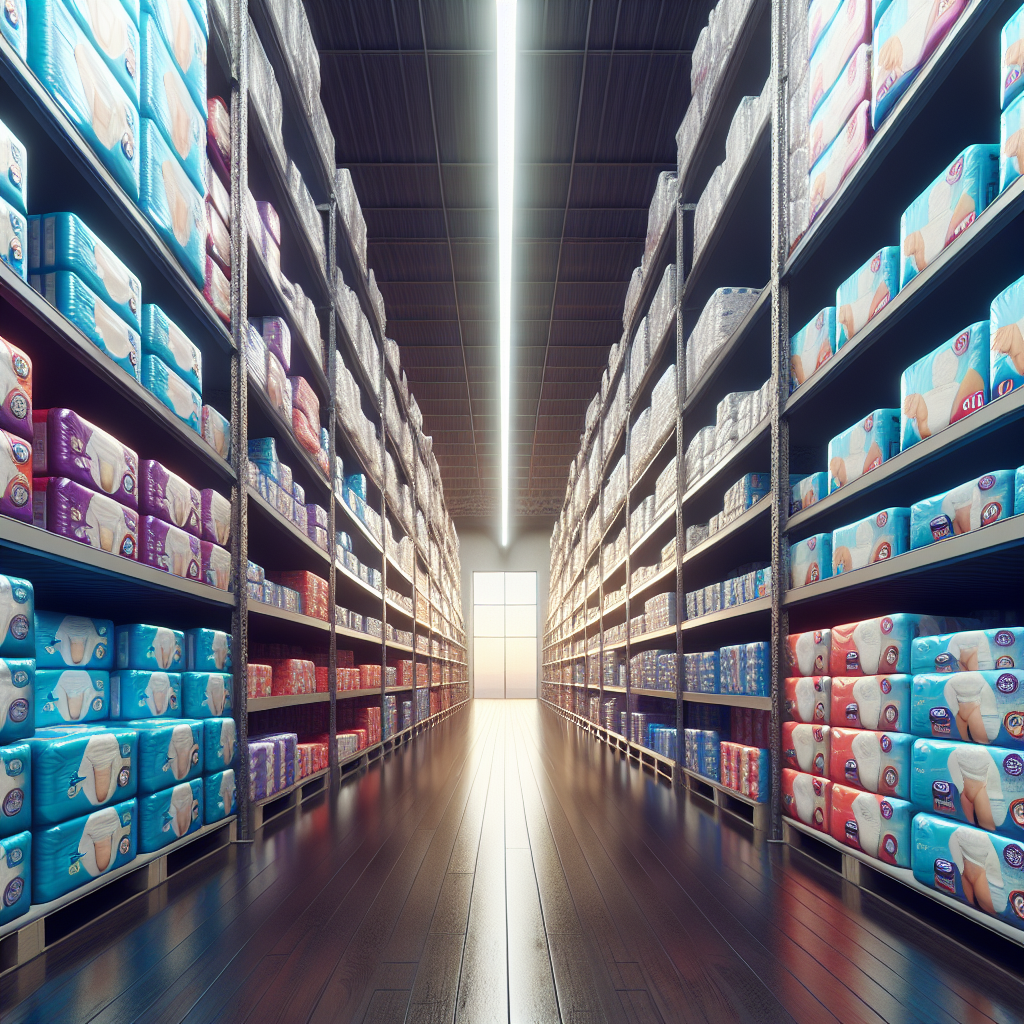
column 506, row 63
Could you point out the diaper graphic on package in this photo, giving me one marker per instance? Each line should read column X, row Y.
column 15, row 477
column 871, row 702
column 836, row 162
column 15, row 391
column 170, row 815
column 169, row 549
column 984, row 871
column 863, row 447
column 864, row 294
column 1006, row 340
column 207, row 650
column 216, row 518
column 851, row 89
column 73, row 641
column 947, row 208
column 976, row 707
column 1011, row 46
column 13, row 170
column 152, row 648
column 806, row 747
column 17, row 632
column 14, row 26
column 968, row 507
column 162, row 337
column 878, row 762
column 811, row 347
column 219, row 796
column 807, row 699
column 73, row 853
column 806, row 798
column 165, row 495
column 17, row 699
column 185, row 37
column 15, row 876
column 216, row 565
column 15, row 788
column 810, row 560
column 220, row 748
column 945, row 386
column 136, row 693
column 850, row 27
column 206, row 694
column 216, row 431
column 809, row 653
column 877, row 825
column 182, row 400
column 807, row 490
column 874, row 646
column 169, row 752
column 78, row 513
column 873, row 539
column 78, row 78
column 1011, row 144
column 68, row 695
column 14, row 239
column 974, row 650
column 114, row 32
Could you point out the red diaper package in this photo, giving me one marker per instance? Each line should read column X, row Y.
column 305, row 414
column 806, row 747
column 260, row 680
column 218, row 239
column 217, row 290
column 293, row 675
column 218, row 136
column 807, row 798
column 314, row 590
column 322, row 679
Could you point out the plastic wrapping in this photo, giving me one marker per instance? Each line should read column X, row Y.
column 847, row 30
column 218, row 146
column 218, row 239
column 216, row 431
column 660, row 212
column 217, row 290
column 185, row 39
column 162, row 337
column 305, row 414
column 15, row 390
column 265, row 95
column 721, row 315
column 836, row 162
column 184, row 401
column 351, row 214
column 167, row 496
column 309, row 216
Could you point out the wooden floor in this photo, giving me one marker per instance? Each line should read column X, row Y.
column 506, row 867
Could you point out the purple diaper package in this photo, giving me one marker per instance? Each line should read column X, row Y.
column 278, row 338
column 216, row 517
column 216, row 565
column 15, row 477
column 65, row 445
column 165, row 495
column 65, row 507
column 167, row 548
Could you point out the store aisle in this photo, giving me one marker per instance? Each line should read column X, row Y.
column 506, row 867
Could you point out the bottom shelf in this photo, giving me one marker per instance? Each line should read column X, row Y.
column 728, row 800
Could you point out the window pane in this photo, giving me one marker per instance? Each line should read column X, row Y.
column 520, row 588
column 488, row 620
column 520, row 620
column 488, row 588
column 489, row 668
column 521, row 667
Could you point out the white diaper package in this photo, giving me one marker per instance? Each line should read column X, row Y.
column 976, row 707
column 68, row 695
column 806, row 490
column 872, row 539
column 114, row 31
column 13, row 170
column 806, row 748
column 971, row 651
column 14, row 239
column 17, row 698
column 811, row 347
column 810, row 560
column 879, row 826
column 170, row 815
column 870, row 702
column 135, row 693
column 977, row 503
column 185, row 402
column 170, row 751
column 71, row 69
column 836, row 162
column 164, row 338
column 206, row 694
column 14, row 26
column 863, row 447
column 819, row 16
column 947, row 208
column 851, row 89
column 1011, row 144
column 15, row 876
column 866, row 293
column 153, row 648
column 217, row 431
column 1011, row 46
column 850, row 27
column 1006, row 341
column 176, row 208
column 62, row 241
column 185, row 39
column 15, row 788
column 219, row 800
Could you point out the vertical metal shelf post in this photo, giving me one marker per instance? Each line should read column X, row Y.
column 681, row 223
column 332, row 450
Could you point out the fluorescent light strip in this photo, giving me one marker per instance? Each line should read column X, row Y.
column 506, row 64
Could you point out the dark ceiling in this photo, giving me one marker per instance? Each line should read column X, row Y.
column 410, row 92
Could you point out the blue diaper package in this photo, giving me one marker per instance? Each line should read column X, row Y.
column 63, row 241
column 67, row 695
column 202, row 18
column 73, row 853
column 982, row 786
column 17, row 614
column 980, row 707
column 112, row 335
column 219, row 799
column 185, row 402
column 1018, row 499
column 963, row 509
column 170, row 751
column 946, row 385
column 206, row 694
column 1011, row 144
column 76, row 769
column 810, row 560
column 1006, row 340
column 170, row 815
column 811, row 347
column 162, row 337
column 13, row 170
column 73, row 641
column 15, row 876
column 136, row 693
column 114, row 32
column 77, row 77
column 14, row 239
column 1011, row 46
column 947, row 208
column 220, row 746
column 984, row 871
column 174, row 206
column 185, row 39
column 15, row 788
column 156, row 648
column 14, row 26
column 166, row 100
column 872, row 539
column 863, row 447
column 866, row 293
column 17, row 698
column 207, row 650
column 976, row 650
column 744, row 668
column 807, row 490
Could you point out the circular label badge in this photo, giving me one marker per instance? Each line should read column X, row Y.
column 123, row 776
column 882, row 518
column 19, row 495
column 886, row 743
column 1013, row 855
column 962, row 342
column 13, row 892
column 18, row 405
column 13, row 802
column 869, row 424
column 886, row 625
column 97, row 703
column 986, row 482
column 891, row 777
column 886, row 808
column 125, row 845
column 1007, row 683
column 19, row 627
column 884, row 685
column 18, row 711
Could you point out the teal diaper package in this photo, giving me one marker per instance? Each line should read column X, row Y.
column 973, row 650
column 866, row 293
column 806, row 490
column 170, row 751
column 976, row 707
column 13, row 25
column 15, row 788
column 185, row 38
column 863, row 447
column 810, row 560
column 183, row 401
column 219, row 799
column 13, row 170
column 1011, row 143
column 812, row 346
column 872, row 539
column 14, row 239
column 112, row 29
column 16, row 872
column 17, row 698
column 71, row 695
column 73, row 641
column 1006, row 341
column 136, row 693
column 162, row 337
column 170, row 815
column 970, row 506
column 1011, row 49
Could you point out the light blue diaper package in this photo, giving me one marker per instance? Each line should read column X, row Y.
column 970, row 506
column 166, row 100
column 207, row 650
column 1006, row 341
column 185, row 40
column 220, row 745
column 811, row 347
column 73, row 853
column 872, row 539
column 17, row 609
column 71, row 69
column 202, row 16
column 136, row 693
column 14, row 26
column 155, row 648
column 17, row 697
column 1011, row 47
column 1018, row 499
column 1011, row 143
column 62, row 241
column 207, row 694
column 947, row 855
column 13, row 169
column 15, row 788
column 14, row 239
column 878, row 8
column 115, row 338
column 866, row 293
column 114, row 32
column 170, row 815
column 219, row 799
column 946, row 385
column 807, row 490
column 185, row 402
column 863, row 447
column 975, row 650
column 73, row 641
column 810, row 560
column 76, row 769
column 16, row 873
column 174, row 206
column 162, row 337
column 170, row 751
column 947, row 208
column 68, row 695
column 979, row 707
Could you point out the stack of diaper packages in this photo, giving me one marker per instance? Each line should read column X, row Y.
column 811, row 347
column 13, row 202
column 208, row 655
column 218, row 183
column 1011, row 89
column 74, row 658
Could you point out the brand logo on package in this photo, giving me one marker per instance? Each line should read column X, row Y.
column 876, row 260
column 886, row 743
column 869, row 424
column 886, row 625
column 941, row 720
column 991, row 512
column 945, row 878
column 962, row 342
column 882, row 518
column 884, row 685
column 1013, row 765
column 1007, row 683
column 1004, row 387
column 955, row 172
column 1004, row 638
column 942, row 797
column 886, row 808
column 1014, row 855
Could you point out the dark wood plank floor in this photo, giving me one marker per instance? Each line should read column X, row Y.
column 506, row 867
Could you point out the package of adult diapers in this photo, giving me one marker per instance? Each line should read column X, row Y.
column 101, row 324
column 219, row 799
column 819, row 16
column 175, row 207
column 14, row 26
column 169, row 549
column 78, row 78
column 871, row 702
column 113, row 29
column 216, row 519
column 17, row 612
column 215, row 565
column 880, row 645
column 963, row 509
column 185, row 39
column 984, row 871
column 73, row 853
column 811, row 347
column 216, row 431
column 14, row 239
column 863, row 447
column 165, row 495
column 810, row 560
column 806, row 798
column 807, row 490
column 220, row 747
column 806, row 747
column 15, row 391
column 14, row 165
column 1018, row 500
column 1011, row 46
column 15, row 788
column 879, row 826
column 184, row 401
column 1006, row 340
column 947, row 208
column 850, row 27
column 878, row 762
column 136, row 693
column 976, row 707
column 68, row 695
column 169, row 815
column 162, row 337
column 841, row 156
column 70, row 510
column 864, row 294
column 152, row 648
column 851, row 89
column 207, row 650
column 17, row 699
column 78, row 768
column 170, row 751
column 206, row 694
column 807, row 699
column 15, row 477
column 1011, row 144
column 872, row 539
column 808, row 654
column 975, row 650
column 15, row 876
